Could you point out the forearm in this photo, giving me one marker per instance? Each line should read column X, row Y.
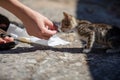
column 35, row 23
column 17, row 8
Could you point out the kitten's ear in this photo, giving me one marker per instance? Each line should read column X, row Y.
column 66, row 15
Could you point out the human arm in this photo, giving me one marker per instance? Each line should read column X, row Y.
column 35, row 23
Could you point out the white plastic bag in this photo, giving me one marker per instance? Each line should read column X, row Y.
column 21, row 34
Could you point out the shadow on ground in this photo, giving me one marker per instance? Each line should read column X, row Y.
column 73, row 50
column 101, row 66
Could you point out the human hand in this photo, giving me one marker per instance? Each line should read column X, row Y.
column 38, row 25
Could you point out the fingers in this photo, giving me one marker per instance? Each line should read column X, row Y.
column 6, row 40
column 47, row 33
column 51, row 32
column 47, row 29
column 2, row 41
column 9, row 39
column 49, row 24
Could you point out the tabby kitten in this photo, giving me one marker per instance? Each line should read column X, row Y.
column 102, row 34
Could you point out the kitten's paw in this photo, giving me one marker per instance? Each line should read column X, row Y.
column 86, row 50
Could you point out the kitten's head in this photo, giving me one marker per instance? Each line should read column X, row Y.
column 68, row 22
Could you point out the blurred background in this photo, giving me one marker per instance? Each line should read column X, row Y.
column 102, row 11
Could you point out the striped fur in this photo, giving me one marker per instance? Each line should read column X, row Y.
column 102, row 34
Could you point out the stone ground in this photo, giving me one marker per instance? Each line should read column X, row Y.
column 35, row 62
